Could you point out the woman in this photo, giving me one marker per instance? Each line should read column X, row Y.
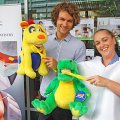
column 103, row 73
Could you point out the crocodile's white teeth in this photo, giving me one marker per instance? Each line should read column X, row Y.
column 65, row 70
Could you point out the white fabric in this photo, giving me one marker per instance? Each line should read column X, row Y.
column 7, row 69
column 103, row 104
column 4, row 82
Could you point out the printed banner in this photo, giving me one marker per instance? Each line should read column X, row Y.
column 110, row 23
column 84, row 30
column 12, row 102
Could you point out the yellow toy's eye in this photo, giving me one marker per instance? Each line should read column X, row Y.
column 41, row 30
column 32, row 29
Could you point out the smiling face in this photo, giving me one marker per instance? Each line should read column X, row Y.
column 64, row 24
column 105, row 43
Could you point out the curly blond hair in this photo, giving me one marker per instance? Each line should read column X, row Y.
column 71, row 8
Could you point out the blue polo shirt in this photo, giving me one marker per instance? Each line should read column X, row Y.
column 115, row 59
column 68, row 48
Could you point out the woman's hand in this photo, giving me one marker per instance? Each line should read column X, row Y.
column 98, row 81
column 104, row 82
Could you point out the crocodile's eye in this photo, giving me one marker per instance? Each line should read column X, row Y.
column 72, row 71
column 32, row 29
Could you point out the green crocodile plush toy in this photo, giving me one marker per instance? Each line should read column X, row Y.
column 65, row 91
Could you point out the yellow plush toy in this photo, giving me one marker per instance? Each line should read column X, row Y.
column 34, row 36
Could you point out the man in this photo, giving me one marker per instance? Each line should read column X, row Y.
column 61, row 45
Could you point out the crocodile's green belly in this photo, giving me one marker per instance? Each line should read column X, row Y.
column 64, row 94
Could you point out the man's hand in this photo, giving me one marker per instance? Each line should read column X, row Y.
column 51, row 62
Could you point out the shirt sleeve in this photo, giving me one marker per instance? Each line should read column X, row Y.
column 80, row 53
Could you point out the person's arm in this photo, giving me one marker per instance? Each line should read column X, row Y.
column 104, row 82
column 80, row 53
